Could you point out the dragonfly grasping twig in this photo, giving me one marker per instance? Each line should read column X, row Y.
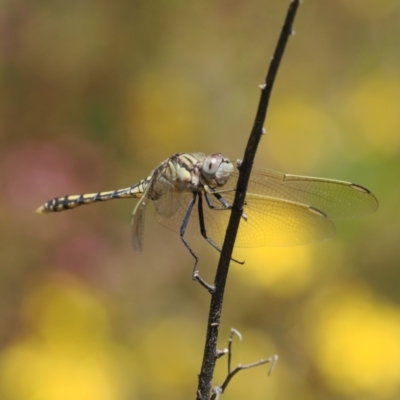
column 280, row 209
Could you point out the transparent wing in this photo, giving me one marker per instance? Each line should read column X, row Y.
column 167, row 204
column 281, row 209
column 270, row 222
column 137, row 224
column 337, row 199
column 170, row 201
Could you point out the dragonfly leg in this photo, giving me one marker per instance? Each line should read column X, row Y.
column 203, row 226
column 225, row 204
column 221, row 199
column 195, row 273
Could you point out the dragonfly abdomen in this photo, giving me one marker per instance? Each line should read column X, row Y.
column 71, row 201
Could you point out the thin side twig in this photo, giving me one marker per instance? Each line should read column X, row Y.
column 220, row 389
column 217, row 391
column 210, row 350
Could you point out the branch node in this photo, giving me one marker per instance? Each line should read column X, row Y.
column 217, row 391
column 221, row 353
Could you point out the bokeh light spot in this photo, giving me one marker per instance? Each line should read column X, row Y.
column 300, row 131
column 374, row 107
column 357, row 343
column 67, row 355
column 284, row 271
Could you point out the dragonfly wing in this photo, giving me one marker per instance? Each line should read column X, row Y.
column 171, row 211
column 168, row 204
column 278, row 222
column 281, row 209
column 137, row 224
column 338, row 199
column 270, row 222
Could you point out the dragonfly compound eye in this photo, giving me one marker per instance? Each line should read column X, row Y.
column 217, row 168
column 211, row 165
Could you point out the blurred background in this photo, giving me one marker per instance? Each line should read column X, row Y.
column 94, row 95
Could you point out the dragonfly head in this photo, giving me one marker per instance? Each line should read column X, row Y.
column 217, row 169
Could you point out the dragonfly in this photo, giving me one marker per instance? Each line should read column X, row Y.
column 192, row 193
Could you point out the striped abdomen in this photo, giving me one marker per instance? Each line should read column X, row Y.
column 72, row 201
